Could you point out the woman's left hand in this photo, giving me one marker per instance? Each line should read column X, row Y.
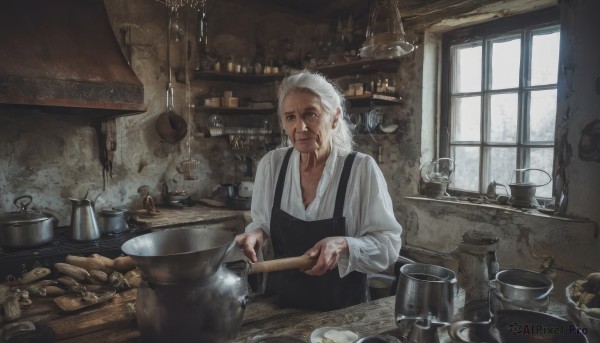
column 328, row 251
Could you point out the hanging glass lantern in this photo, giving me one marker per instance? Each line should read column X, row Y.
column 176, row 4
column 385, row 36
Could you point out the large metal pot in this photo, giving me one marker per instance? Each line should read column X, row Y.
column 189, row 295
column 25, row 228
column 179, row 255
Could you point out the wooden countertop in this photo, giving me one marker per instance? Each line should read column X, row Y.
column 114, row 321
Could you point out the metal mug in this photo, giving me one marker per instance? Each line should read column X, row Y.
column 425, row 292
column 84, row 226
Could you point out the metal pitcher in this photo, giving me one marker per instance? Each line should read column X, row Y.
column 425, row 292
column 84, row 226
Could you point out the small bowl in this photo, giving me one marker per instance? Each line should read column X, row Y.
column 389, row 128
column 538, row 305
column 523, row 285
column 347, row 336
column 177, row 197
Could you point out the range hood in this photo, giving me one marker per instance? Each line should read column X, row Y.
column 62, row 56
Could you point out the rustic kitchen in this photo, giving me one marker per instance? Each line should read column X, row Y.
column 131, row 129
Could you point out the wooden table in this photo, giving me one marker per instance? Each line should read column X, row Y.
column 114, row 321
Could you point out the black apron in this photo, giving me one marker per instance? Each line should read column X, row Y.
column 293, row 237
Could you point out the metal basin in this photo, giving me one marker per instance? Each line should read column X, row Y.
column 522, row 285
column 179, row 255
column 516, row 326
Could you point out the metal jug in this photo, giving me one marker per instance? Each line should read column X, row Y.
column 425, row 292
column 84, row 226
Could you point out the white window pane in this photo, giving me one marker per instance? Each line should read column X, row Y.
column 466, row 69
column 466, row 118
column 542, row 115
column 544, row 58
column 505, row 63
column 501, row 162
column 541, row 158
column 504, row 114
column 466, row 168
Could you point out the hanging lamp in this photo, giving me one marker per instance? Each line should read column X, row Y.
column 385, row 37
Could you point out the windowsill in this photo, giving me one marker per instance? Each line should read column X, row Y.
column 468, row 205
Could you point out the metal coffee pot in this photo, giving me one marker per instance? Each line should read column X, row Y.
column 84, row 226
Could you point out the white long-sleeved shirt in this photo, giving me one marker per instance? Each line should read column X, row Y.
column 373, row 234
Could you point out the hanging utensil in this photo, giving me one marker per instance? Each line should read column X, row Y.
column 170, row 126
column 189, row 169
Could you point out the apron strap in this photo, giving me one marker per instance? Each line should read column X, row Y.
column 341, row 191
column 281, row 179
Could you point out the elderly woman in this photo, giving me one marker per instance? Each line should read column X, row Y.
column 319, row 198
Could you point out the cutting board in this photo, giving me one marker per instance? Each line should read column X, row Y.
column 170, row 217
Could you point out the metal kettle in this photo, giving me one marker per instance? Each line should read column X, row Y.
column 84, row 226
column 522, row 192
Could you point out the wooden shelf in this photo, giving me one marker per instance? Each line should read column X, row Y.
column 212, row 75
column 364, row 65
column 361, row 66
column 373, row 99
column 236, row 110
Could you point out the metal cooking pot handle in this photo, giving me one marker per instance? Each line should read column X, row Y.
column 527, row 169
column 22, row 205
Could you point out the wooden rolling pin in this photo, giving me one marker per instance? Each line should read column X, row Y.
column 298, row 262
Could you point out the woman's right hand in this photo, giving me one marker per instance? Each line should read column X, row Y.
column 250, row 242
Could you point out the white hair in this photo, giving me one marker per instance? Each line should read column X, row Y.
column 331, row 99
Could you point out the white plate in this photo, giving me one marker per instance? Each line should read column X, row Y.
column 318, row 335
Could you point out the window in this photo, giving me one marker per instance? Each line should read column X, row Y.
column 499, row 104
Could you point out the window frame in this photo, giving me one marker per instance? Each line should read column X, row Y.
column 487, row 33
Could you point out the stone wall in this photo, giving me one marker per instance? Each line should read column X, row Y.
column 56, row 156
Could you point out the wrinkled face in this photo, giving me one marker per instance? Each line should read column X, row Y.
column 305, row 122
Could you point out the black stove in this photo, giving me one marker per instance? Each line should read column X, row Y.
column 17, row 261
